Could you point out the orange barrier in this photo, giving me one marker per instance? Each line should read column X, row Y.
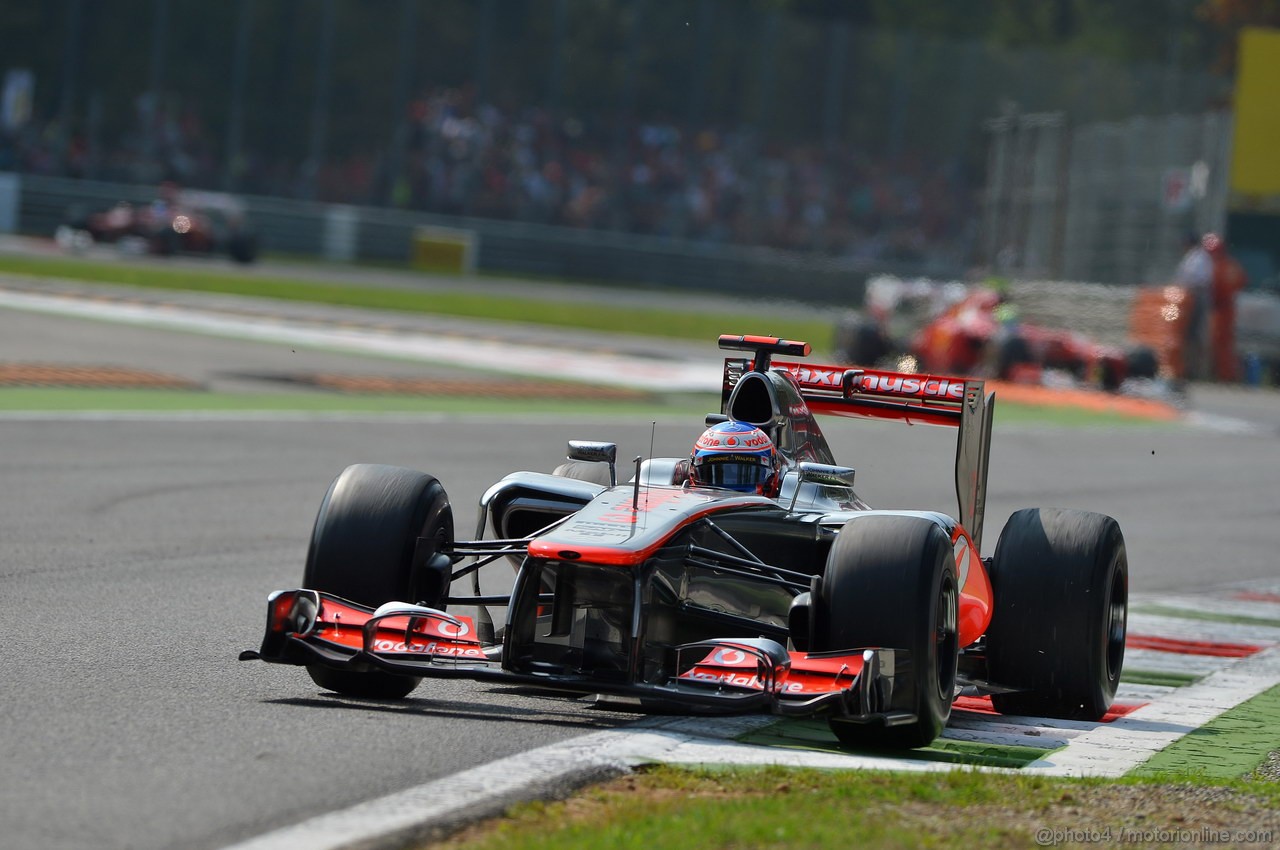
column 1159, row 317
column 1095, row 400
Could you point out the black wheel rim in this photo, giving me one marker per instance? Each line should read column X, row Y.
column 945, row 636
column 1117, row 619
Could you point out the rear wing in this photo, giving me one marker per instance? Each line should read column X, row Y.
column 957, row 402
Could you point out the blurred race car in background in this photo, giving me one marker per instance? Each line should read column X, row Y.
column 978, row 330
column 176, row 222
column 791, row 596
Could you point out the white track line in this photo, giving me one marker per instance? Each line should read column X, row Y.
column 433, row 810
column 437, row 808
column 1172, row 662
column 594, row 367
column 1115, row 748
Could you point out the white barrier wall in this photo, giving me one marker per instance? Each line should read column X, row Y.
column 10, row 189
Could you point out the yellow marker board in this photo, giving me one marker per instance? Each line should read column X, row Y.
column 444, row 249
column 1255, row 160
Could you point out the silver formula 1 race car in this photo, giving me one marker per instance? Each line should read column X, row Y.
column 676, row 595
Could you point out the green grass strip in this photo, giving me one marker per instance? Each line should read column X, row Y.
column 586, row 314
column 799, row 809
column 1158, row 677
column 158, row 400
column 1207, row 616
column 1230, row 746
column 812, row 734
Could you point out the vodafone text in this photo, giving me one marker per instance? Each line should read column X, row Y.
column 432, row 648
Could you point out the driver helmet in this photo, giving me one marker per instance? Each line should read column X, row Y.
column 735, row 456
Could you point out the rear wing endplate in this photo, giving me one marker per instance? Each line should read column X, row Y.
column 961, row 403
column 912, row 398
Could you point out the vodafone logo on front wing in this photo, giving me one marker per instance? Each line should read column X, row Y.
column 729, row 657
column 432, row 648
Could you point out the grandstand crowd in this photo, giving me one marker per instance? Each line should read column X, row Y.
column 662, row 178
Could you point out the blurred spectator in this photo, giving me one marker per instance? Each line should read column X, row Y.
column 1195, row 274
column 1228, row 280
column 461, row 157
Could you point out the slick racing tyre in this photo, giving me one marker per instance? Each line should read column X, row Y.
column 1142, row 362
column 365, row 548
column 1060, row 579
column 890, row 581
column 1012, row 352
column 242, row 248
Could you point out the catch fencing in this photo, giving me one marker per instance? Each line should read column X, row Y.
column 1107, row 202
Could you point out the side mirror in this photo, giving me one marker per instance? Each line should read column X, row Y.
column 595, row 452
column 825, row 473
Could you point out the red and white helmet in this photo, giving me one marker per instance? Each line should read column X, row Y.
column 735, row 456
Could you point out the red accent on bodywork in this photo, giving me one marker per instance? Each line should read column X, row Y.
column 879, row 394
column 837, row 407
column 773, row 343
column 807, row 676
column 909, row 385
column 982, row 705
column 1191, row 647
column 280, row 611
column 608, row 531
column 1252, row 596
column 341, row 624
column 649, row 499
column 344, row 625
column 975, row 594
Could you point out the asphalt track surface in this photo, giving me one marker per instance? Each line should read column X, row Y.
column 137, row 555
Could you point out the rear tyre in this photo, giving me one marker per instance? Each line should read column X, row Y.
column 242, row 248
column 1012, row 352
column 1111, row 375
column 1142, row 362
column 1060, row 579
column 890, row 581
column 365, row 548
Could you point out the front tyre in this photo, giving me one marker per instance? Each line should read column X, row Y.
column 890, row 581
column 1142, row 362
column 1060, row 579
column 365, row 547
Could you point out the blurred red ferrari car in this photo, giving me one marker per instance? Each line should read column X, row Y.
column 176, row 222
column 979, row 332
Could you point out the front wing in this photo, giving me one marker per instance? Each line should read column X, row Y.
column 307, row 627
